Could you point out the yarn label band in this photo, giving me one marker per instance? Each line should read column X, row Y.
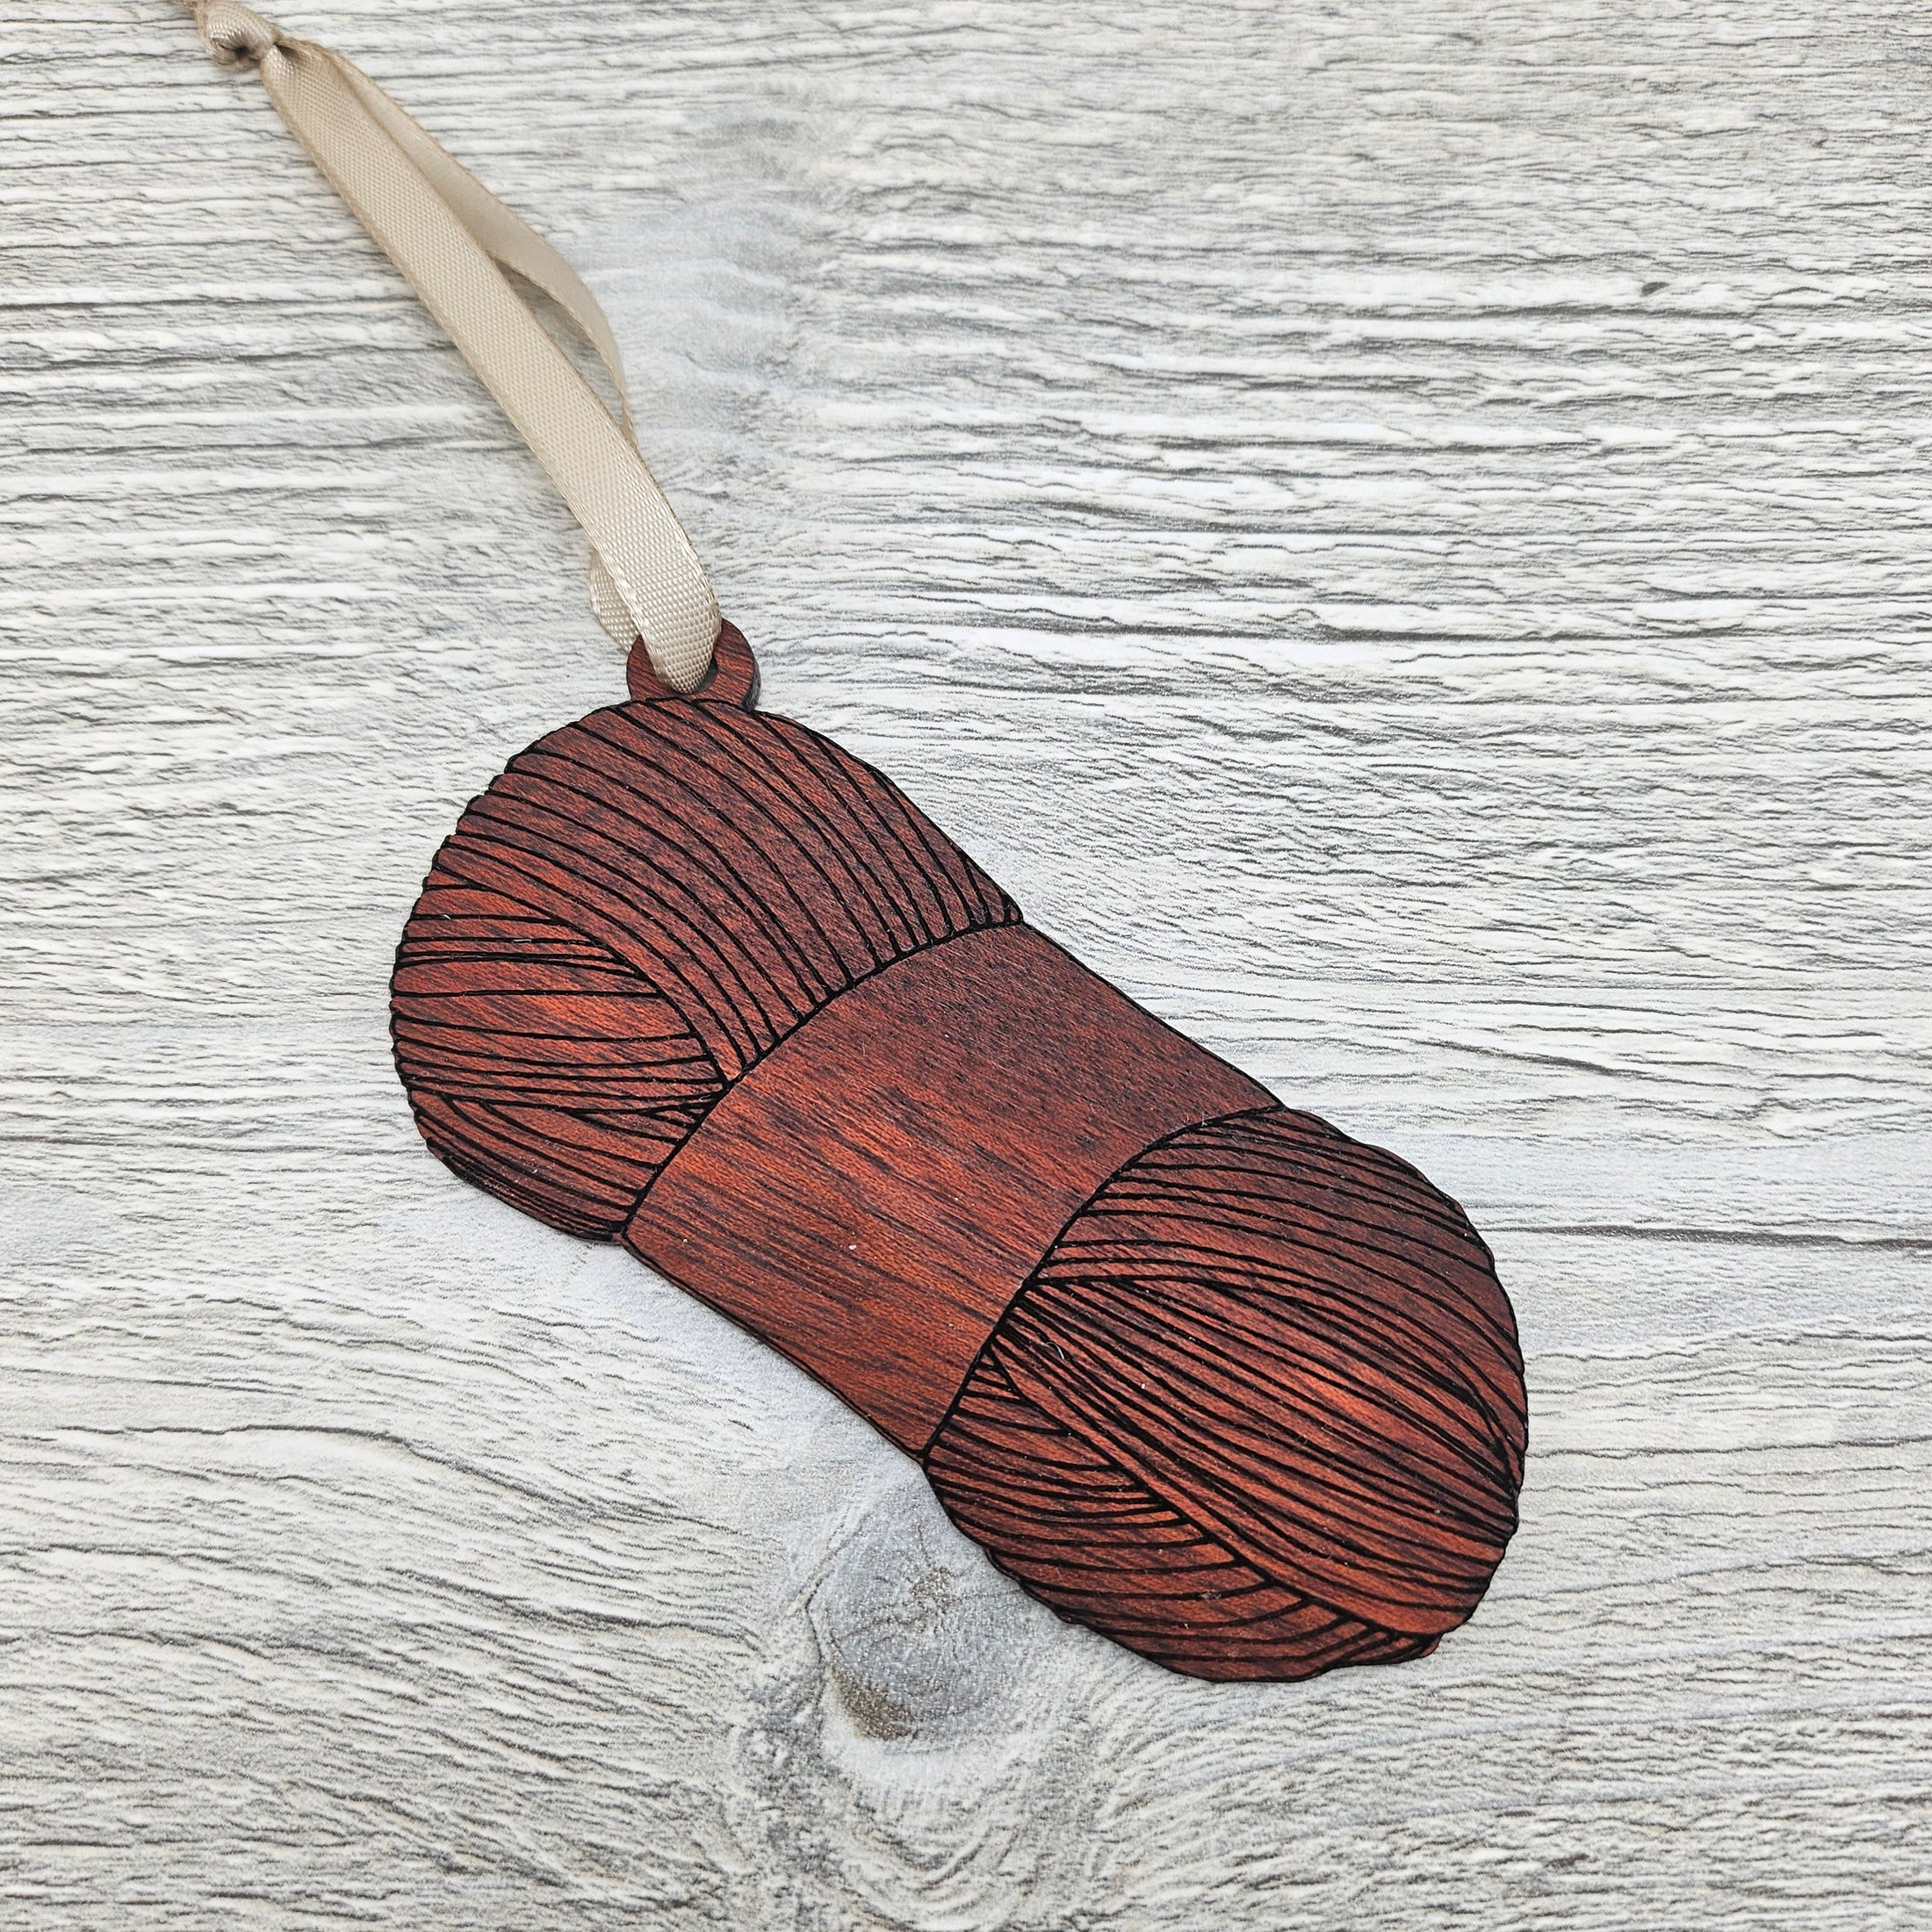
column 890, row 1174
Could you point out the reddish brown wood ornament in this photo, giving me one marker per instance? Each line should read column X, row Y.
column 1200, row 1371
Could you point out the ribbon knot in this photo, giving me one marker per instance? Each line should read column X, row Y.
column 236, row 35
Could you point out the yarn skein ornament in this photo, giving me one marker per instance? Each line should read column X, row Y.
column 1197, row 1370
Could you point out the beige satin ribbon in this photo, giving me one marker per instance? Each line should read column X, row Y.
column 447, row 232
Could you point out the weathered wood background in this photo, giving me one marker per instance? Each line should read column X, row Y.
column 1400, row 533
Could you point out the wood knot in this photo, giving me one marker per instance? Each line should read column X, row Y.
column 923, row 1640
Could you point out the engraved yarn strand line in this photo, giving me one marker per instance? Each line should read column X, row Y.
column 805, row 979
column 783, row 817
column 1231, row 1464
column 791, row 786
column 1391, row 1400
column 1315, row 1312
column 748, row 858
column 742, row 984
column 1100, row 1547
column 753, row 853
column 789, row 812
column 933, row 890
column 1326, row 1414
column 1194, row 1433
column 681, row 875
column 447, row 234
column 777, row 833
column 702, row 979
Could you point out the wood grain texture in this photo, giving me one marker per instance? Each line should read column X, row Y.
column 1520, row 414
column 872, row 1196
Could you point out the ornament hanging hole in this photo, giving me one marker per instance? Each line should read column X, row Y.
column 732, row 678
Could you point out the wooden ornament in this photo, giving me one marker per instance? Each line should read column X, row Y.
column 1199, row 1371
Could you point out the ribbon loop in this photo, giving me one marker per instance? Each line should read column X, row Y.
column 452, row 239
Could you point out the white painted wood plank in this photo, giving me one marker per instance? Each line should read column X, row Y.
column 1400, row 536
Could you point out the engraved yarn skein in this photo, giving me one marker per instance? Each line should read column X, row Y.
column 1248, row 1399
